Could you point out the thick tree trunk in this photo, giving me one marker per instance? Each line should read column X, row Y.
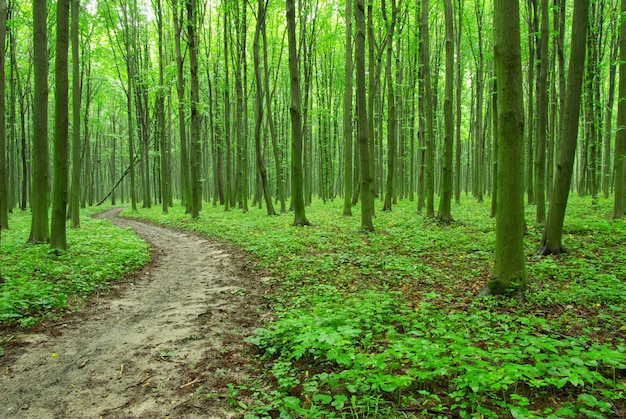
column 194, row 134
column 391, row 105
column 429, row 136
column 509, row 269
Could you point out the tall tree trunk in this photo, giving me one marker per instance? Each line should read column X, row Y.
column 77, row 164
column 184, row 155
column 457, row 165
column 297, row 178
column 160, row 111
column 429, row 135
column 530, row 123
column 445, row 199
column 608, row 113
column 258, row 117
column 228, row 198
column 391, row 104
column 551, row 241
column 58, row 239
column 509, row 271
column 347, row 115
column 4, row 191
column 39, row 198
column 620, row 139
column 542, row 114
column 194, row 133
column 367, row 192
column 480, row 88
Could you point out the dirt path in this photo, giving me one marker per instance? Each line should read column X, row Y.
column 164, row 345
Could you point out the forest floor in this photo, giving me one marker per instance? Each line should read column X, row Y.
column 167, row 342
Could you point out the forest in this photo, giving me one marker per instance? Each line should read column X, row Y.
column 407, row 208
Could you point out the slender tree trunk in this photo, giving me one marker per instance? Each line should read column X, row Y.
column 391, row 105
column 429, row 136
column 445, row 199
column 39, row 198
column 367, row 193
column 297, row 178
column 4, row 191
column 542, row 114
column 77, row 163
column 184, row 155
column 160, row 110
column 608, row 113
column 620, row 140
column 258, row 117
column 509, row 269
column 530, row 120
column 194, row 134
column 457, row 166
column 347, row 115
column 551, row 241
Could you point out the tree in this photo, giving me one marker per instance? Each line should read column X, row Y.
column 509, row 269
column 295, row 110
column 347, row 115
column 551, row 240
column 58, row 239
column 542, row 114
column 4, row 192
column 258, row 117
column 194, row 132
column 391, row 107
column 76, row 102
column 620, row 140
column 367, row 190
column 39, row 198
column 429, row 140
column 445, row 199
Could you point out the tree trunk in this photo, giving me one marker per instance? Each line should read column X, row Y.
column 391, row 105
column 509, row 269
column 295, row 110
column 620, row 140
column 347, row 115
column 445, row 199
column 551, row 241
column 542, row 115
column 367, row 193
column 4, row 192
column 77, row 164
column 258, row 117
column 194, row 133
column 429, row 137
column 39, row 198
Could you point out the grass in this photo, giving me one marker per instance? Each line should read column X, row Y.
column 387, row 324
column 38, row 282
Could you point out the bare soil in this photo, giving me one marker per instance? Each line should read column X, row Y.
column 166, row 342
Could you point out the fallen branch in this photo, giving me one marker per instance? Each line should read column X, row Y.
column 118, row 182
column 192, row 382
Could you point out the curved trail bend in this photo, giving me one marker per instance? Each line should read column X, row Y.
column 166, row 344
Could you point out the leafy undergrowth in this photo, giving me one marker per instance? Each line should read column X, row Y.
column 387, row 324
column 38, row 282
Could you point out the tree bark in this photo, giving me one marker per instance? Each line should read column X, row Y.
column 4, row 192
column 445, row 198
column 295, row 110
column 39, row 199
column 194, row 133
column 551, row 241
column 620, row 140
column 542, row 115
column 77, row 164
column 367, row 192
column 347, row 115
column 509, row 269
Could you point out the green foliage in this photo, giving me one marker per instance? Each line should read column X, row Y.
column 378, row 325
column 38, row 281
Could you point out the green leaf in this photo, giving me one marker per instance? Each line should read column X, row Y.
column 339, row 401
column 588, row 399
column 519, row 412
column 323, row 398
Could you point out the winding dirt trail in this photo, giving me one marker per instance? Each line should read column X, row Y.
column 166, row 343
